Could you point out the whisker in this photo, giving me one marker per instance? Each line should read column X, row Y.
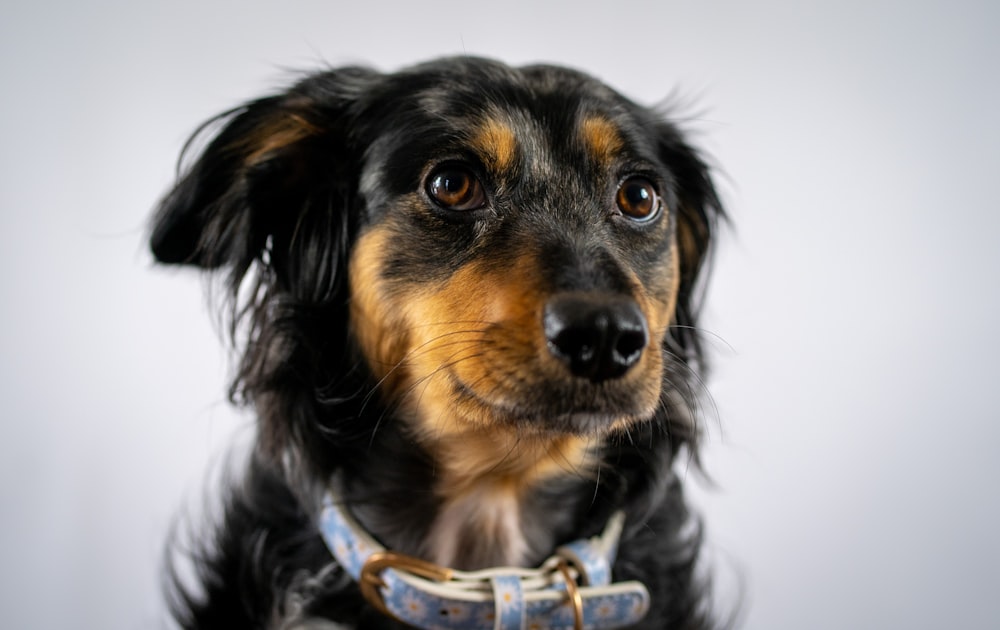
column 597, row 485
column 704, row 331
column 412, row 353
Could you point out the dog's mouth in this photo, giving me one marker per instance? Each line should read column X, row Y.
column 582, row 409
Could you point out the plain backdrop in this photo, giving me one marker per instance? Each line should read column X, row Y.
column 852, row 431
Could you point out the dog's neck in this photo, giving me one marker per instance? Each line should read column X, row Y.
column 485, row 483
column 479, row 529
column 476, row 503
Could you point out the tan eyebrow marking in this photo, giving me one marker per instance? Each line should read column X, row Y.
column 602, row 138
column 495, row 142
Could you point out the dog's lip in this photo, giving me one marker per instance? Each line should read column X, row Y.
column 579, row 420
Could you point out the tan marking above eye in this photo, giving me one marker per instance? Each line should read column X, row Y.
column 494, row 142
column 601, row 138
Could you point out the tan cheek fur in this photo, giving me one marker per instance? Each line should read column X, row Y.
column 659, row 302
column 380, row 331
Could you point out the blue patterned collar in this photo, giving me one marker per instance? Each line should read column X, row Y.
column 572, row 589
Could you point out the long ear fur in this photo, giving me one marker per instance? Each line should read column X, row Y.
column 209, row 218
column 268, row 200
column 255, row 171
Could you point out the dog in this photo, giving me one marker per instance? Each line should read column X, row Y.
column 465, row 298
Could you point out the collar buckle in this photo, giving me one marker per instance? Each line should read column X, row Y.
column 370, row 580
column 573, row 592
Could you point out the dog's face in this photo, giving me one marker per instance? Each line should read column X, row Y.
column 519, row 265
column 520, row 245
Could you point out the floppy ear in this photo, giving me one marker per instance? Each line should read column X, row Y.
column 270, row 199
column 250, row 181
column 698, row 214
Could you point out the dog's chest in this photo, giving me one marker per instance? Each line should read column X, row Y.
column 479, row 528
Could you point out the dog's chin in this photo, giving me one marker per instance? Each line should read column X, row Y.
column 557, row 416
column 583, row 423
column 580, row 412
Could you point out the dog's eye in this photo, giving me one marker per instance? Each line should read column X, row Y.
column 637, row 198
column 455, row 188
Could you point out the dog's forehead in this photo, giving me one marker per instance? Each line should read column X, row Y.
column 534, row 110
column 538, row 121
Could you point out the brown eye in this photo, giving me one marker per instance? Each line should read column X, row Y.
column 637, row 198
column 455, row 188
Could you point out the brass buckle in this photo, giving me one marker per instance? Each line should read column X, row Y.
column 371, row 581
column 573, row 591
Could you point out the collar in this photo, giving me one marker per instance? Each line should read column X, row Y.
column 570, row 589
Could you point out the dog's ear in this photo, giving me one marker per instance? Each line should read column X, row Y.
column 246, row 186
column 215, row 214
column 698, row 213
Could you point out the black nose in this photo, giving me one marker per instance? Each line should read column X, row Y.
column 598, row 337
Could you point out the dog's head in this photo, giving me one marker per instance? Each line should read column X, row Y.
column 496, row 250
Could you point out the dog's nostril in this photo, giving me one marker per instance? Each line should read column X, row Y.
column 629, row 346
column 597, row 337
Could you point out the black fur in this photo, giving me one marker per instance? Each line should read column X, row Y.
column 277, row 199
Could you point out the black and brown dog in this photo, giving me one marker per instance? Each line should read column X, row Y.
column 468, row 292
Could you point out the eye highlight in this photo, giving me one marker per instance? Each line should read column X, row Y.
column 455, row 187
column 637, row 198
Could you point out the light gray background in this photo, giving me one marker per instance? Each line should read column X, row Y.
column 855, row 448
